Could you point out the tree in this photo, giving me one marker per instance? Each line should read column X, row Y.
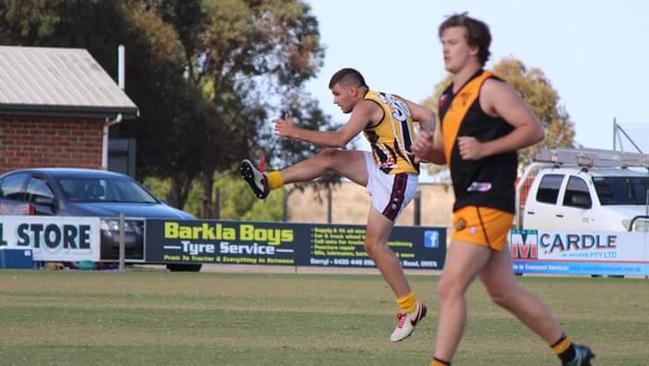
column 238, row 204
column 169, row 106
column 252, row 51
column 536, row 89
column 287, row 152
column 205, row 73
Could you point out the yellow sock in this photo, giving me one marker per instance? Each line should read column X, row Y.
column 565, row 349
column 275, row 179
column 408, row 303
column 436, row 362
column 562, row 345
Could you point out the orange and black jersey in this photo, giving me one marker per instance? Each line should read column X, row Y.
column 487, row 182
column 392, row 137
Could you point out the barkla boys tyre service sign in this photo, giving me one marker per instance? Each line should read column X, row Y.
column 219, row 242
column 269, row 243
column 52, row 238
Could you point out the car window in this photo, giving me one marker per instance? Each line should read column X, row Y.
column 38, row 188
column 621, row 190
column 129, row 191
column 577, row 194
column 549, row 186
column 90, row 189
column 83, row 189
column 11, row 187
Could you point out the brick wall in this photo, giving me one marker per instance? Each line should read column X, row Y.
column 31, row 141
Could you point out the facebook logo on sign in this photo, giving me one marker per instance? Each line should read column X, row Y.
column 431, row 239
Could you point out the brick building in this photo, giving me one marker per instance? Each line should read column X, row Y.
column 55, row 107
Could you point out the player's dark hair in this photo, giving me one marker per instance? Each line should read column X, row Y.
column 347, row 76
column 477, row 33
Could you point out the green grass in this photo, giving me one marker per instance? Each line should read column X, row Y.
column 160, row 318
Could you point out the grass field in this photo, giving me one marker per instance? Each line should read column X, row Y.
column 160, row 318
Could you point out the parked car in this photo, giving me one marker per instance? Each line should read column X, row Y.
column 596, row 200
column 586, row 189
column 90, row 192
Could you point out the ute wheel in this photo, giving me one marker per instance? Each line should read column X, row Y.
column 178, row 267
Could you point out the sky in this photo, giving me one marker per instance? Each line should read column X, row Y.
column 595, row 53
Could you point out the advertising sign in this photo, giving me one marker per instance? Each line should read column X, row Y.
column 53, row 238
column 567, row 252
column 230, row 242
column 343, row 246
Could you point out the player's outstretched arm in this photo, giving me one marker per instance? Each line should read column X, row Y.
column 423, row 115
column 364, row 112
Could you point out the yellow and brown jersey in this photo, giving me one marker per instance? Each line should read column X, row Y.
column 392, row 137
column 487, row 182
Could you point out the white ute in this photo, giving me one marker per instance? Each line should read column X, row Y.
column 585, row 189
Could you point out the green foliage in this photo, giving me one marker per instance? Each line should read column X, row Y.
column 238, row 202
column 536, row 89
column 158, row 186
column 236, row 199
column 205, row 74
column 262, row 38
column 28, row 20
column 244, row 55
column 253, row 52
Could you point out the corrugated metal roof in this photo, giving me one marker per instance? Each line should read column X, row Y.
column 61, row 81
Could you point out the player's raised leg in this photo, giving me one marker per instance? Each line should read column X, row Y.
column 348, row 163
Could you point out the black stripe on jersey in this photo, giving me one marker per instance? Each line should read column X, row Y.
column 407, row 139
column 397, row 196
column 393, row 156
column 397, row 150
column 381, row 156
column 393, row 153
column 409, row 157
column 372, row 137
